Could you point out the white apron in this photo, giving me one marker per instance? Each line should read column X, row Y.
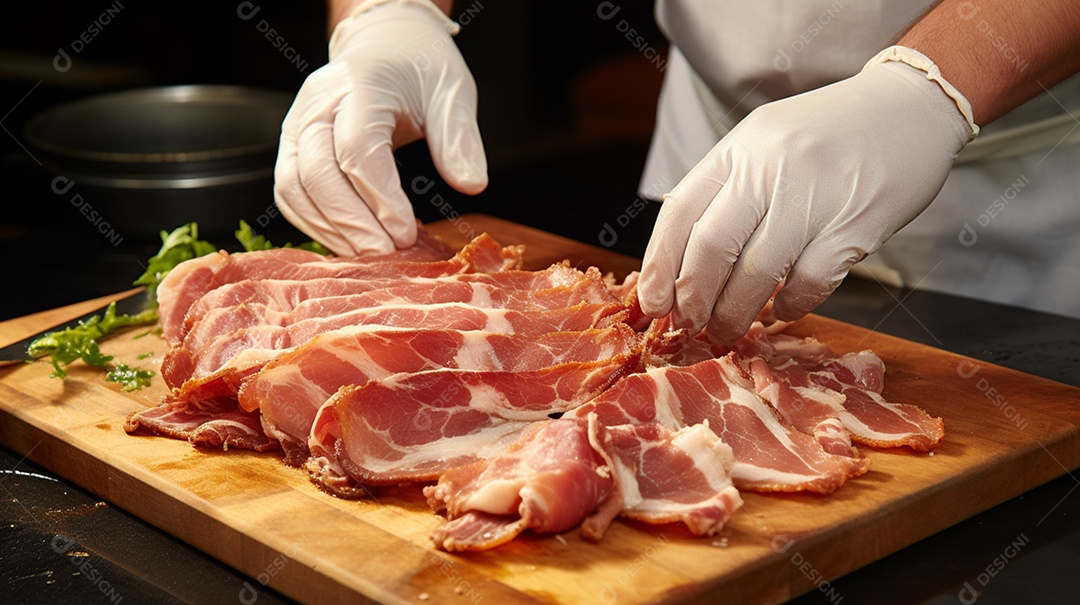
column 1006, row 225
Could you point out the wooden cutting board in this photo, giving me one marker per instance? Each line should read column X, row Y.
column 1007, row 432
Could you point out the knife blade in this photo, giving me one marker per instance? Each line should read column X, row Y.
column 16, row 351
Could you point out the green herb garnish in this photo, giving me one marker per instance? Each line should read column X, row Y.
column 252, row 242
column 181, row 244
column 131, row 378
column 81, row 341
column 249, row 240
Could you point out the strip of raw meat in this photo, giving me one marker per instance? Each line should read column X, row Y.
column 768, row 455
column 427, row 247
column 814, row 411
column 872, row 420
column 862, row 369
column 396, row 293
column 836, row 398
column 217, row 423
column 558, row 285
column 770, row 343
column 549, row 480
column 191, row 280
column 291, row 388
column 675, row 476
column 322, row 465
column 627, row 292
column 560, row 473
column 209, row 366
column 413, row 427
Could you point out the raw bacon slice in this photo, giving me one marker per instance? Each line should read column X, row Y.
column 217, row 423
column 191, row 280
column 836, row 398
column 814, row 411
column 872, row 420
column 413, row 427
column 322, row 465
column 393, row 293
column 768, row 455
column 549, row 480
column 214, row 360
column 675, row 476
column 558, row 285
column 291, row 388
column 562, row 473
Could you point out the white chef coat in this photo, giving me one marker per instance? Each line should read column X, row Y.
column 1006, row 225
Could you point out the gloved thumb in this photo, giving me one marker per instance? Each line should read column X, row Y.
column 454, row 140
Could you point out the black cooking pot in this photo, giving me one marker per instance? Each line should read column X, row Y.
column 156, row 158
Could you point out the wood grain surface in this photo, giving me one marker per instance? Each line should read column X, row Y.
column 1007, row 433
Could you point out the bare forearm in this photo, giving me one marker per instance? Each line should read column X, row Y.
column 338, row 9
column 1000, row 53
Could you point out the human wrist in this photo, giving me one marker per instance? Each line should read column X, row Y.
column 358, row 8
column 922, row 63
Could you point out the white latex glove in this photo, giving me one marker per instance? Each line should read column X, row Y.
column 800, row 190
column 394, row 76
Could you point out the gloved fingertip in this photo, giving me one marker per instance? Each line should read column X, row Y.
column 655, row 299
column 652, row 306
column 462, row 162
column 725, row 332
column 468, row 182
column 403, row 236
column 807, row 286
column 786, row 311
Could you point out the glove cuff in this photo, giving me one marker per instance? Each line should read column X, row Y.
column 335, row 38
column 921, row 62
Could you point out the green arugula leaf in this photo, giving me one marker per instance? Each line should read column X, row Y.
column 313, row 246
column 249, row 240
column 181, row 244
column 252, row 242
column 81, row 341
column 131, row 378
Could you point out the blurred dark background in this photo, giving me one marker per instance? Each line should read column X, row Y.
column 566, row 109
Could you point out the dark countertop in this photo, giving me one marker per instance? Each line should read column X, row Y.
column 62, row 544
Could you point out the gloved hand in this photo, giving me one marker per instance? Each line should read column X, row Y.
column 394, row 76
column 798, row 191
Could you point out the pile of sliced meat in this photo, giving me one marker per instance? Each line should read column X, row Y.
column 540, row 400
